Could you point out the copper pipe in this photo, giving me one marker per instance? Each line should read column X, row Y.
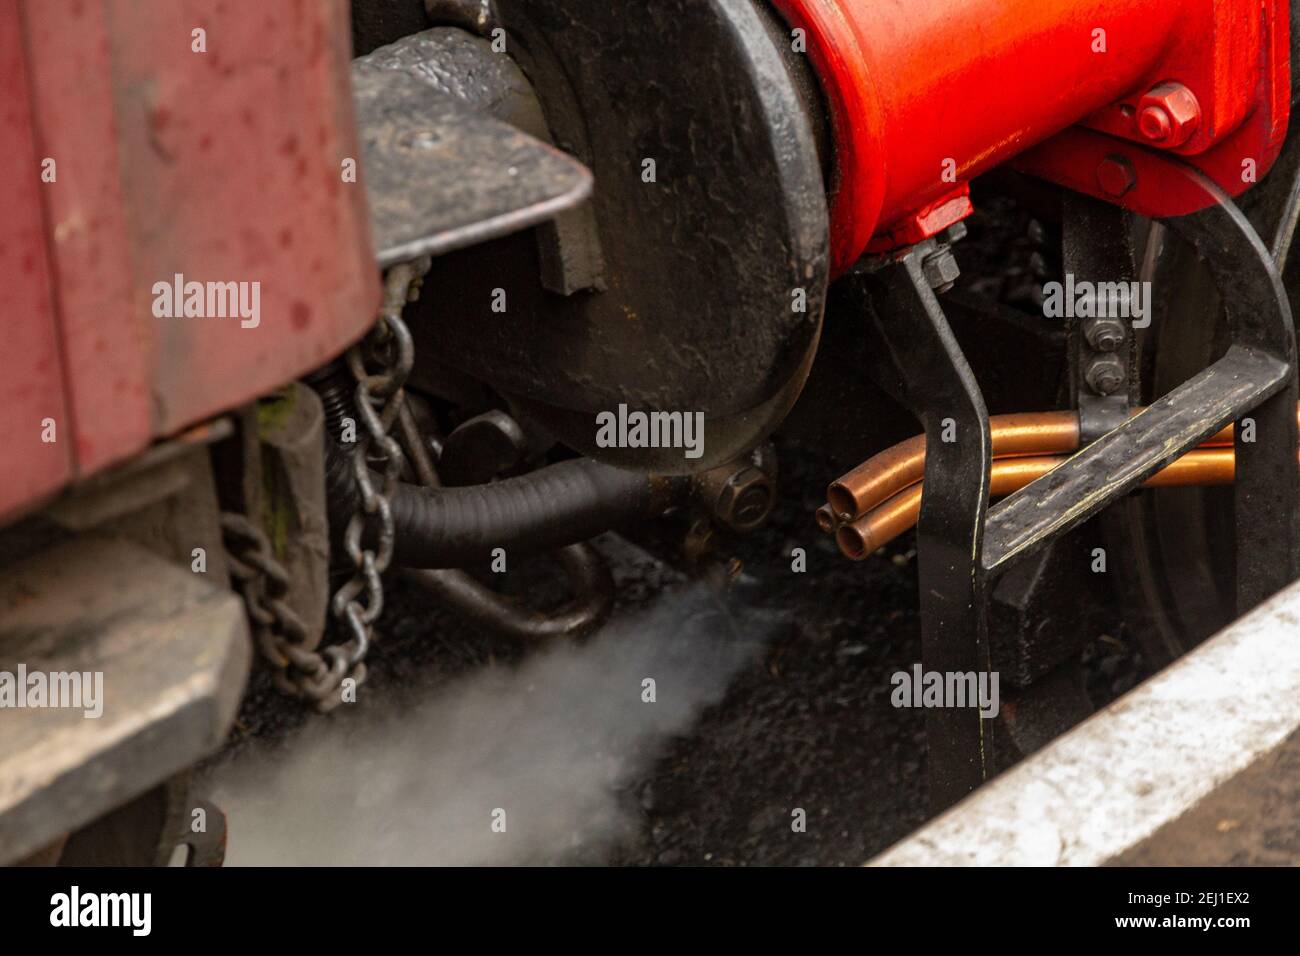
column 1029, row 433
column 826, row 519
column 885, row 474
column 859, row 538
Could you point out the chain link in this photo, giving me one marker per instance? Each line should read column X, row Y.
column 281, row 636
column 379, row 399
column 380, row 363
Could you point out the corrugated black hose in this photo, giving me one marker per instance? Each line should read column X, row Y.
column 545, row 509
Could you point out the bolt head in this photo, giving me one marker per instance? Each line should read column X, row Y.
column 1116, row 175
column 746, row 499
column 941, row 269
column 1154, row 124
column 1168, row 115
column 1108, row 340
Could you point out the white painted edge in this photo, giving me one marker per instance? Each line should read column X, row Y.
column 1142, row 762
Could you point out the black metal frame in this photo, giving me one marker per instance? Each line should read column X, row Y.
column 963, row 545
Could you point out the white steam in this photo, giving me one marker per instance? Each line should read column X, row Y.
column 549, row 744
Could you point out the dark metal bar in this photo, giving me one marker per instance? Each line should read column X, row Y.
column 1121, row 460
column 925, row 367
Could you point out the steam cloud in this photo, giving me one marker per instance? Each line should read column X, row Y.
column 550, row 742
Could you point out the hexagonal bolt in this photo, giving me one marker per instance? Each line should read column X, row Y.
column 1103, row 334
column 1105, row 374
column 1116, row 175
column 745, row 499
column 941, row 269
column 1168, row 115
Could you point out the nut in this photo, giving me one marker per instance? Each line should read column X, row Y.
column 745, row 500
column 1103, row 333
column 1168, row 115
column 1116, row 175
column 941, row 269
column 1105, row 374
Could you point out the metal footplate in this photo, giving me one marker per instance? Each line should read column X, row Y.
column 440, row 176
column 964, row 546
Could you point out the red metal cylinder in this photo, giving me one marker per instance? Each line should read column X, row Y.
column 926, row 94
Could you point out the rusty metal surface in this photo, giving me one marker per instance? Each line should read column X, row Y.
column 463, row 67
column 441, row 176
column 173, row 649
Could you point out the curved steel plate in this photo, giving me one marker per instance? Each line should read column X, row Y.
column 442, row 177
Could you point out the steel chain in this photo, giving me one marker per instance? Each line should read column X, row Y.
column 379, row 399
column 282, row 637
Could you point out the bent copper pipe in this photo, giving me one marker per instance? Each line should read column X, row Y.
column 885, row 474
column 859, row 538
column 1023, row 434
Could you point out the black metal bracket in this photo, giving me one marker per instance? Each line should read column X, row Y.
column 1097, row 248
column 923, row 366
column 963, row 545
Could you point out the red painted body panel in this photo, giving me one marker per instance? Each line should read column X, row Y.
column 222, row 166
column 31, row 375
column 917, row 88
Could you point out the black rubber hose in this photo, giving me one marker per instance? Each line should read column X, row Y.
column 548, row 508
